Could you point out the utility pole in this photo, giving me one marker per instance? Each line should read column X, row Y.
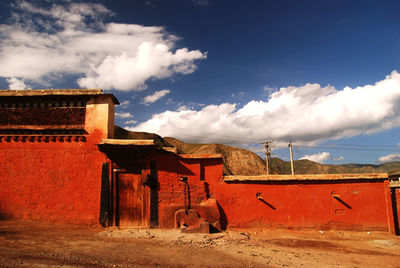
column 291, row 156
column 267, row 155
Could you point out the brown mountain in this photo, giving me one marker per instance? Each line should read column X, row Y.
column 237, row 161
column 121, row 133
column 310, row 167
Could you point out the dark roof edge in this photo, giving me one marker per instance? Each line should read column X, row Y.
column 55, row 92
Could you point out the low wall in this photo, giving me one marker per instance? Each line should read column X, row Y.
column 353, row 202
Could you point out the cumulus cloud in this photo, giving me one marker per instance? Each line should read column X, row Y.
column 124, row 104
column 340, row 158
column 130, row 122
column 156, row 96
column 319, row 158
column 14, row 83
column 389, row 158
column 309, row 113
column 72, row 38
column 269, row 88
column 123, row 115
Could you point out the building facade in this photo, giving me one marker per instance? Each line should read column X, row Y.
column 60, row 162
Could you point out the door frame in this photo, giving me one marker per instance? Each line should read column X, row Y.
column 115, row 204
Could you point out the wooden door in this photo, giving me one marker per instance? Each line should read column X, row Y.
column 133, row 203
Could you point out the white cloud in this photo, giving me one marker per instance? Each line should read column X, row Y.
column 123, row 115
column 14, row 83
column 182, row 108
column 340, row 158
column 73, row 39
column 269, row 88
column 124, row 104
column 319, row 158
column 130, row 122
column 389, row 158
column 156, row 96
column 308, row 113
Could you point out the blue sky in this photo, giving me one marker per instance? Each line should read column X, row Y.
column 323, row 74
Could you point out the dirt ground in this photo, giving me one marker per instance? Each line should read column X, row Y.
column 32, row 244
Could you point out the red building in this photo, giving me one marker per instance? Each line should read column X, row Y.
column 59, row 161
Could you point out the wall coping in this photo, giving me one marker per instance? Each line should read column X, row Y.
column 200, row 156
column 55, row 92
column 307, row 177
column 126, row 142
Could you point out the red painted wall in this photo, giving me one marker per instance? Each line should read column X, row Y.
column 171, row 190
column 61, row 180
column 397, row 197
column 362, row 204
column 57, row 181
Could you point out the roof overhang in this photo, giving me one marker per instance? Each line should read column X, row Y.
column 120, row 142
column 55, row 93
column 126, row 152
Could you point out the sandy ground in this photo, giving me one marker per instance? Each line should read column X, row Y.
column 32, row 244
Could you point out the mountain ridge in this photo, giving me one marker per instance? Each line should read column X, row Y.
column 238, row 161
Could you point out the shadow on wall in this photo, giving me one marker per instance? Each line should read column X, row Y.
column 395, row 211
column 223, row 218
column 104, row 218
column 5, row 216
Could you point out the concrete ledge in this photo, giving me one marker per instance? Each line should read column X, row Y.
column 127, row 142
column 55, row 92
column 395, row 184
column 306, row 177
column 200, row 156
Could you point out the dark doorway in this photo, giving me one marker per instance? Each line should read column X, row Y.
column 154, row 186
column 395, row 210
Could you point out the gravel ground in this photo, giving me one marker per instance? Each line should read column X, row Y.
column 32, row 244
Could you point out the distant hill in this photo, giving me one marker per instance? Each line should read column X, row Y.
column 310, row 167
column 121, row 133
column 237, row 161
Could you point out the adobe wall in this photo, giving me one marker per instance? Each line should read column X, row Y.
column 54, row 176
column 51, row 181
column 398, row 201
column 361, row 205
column 396, row 209
column 171, row 197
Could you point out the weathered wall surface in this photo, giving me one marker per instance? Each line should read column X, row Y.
column 51, row 181
column 171, row 190
column 48, row 172
column 326, row 204
column 359, row 205
column 396, row 210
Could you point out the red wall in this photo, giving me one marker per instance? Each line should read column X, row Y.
column 397, row 206
column 171, row 197
column 361, row 204
column 61, row 181
column 51, row 181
